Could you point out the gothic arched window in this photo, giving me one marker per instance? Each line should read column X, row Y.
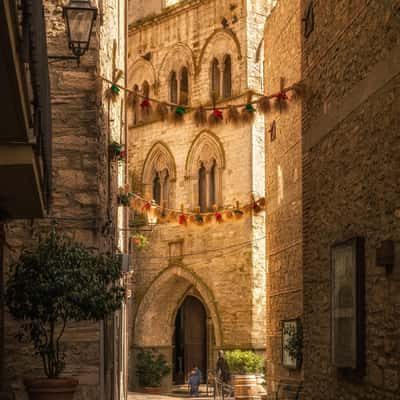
column 215, row 78
column 146, row 89
column 165, row 189
column 202, row 188
column 173, row 88
column 157, row 189
column 161, row 188
column 159, row 176
column 184, row 87
column 227, row 77
column 136, row 107
column 211, row 185
column 204, row 168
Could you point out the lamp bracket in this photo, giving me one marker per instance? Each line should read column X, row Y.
column 63, row 58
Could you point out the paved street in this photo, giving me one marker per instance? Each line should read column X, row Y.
column 178, row 393
column 145, row 396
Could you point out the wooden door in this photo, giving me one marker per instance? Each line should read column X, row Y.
column 195, row 334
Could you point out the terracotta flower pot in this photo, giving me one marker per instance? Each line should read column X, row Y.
column 51, row 389
column 152, row 390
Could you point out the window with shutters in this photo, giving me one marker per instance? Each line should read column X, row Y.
column 157, row 189
column 136, row 107
column 227, row 77
column 184, row 87
column 173, row 88
column 146, row 89
column 202, row 188
column 211, row 185
column 215, row 78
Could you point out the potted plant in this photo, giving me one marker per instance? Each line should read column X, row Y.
column 57, row 282
column 117, row 151
column 246, row 367
column 140, row 241
column 151, row 367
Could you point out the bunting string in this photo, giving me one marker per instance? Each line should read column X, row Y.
column 262, row 101
column 183, row 217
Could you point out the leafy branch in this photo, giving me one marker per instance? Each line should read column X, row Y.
column 57, row 282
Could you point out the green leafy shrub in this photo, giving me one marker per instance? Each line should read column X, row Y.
column 151, row 367
column 55, row 283
column 244, row 362
column 140, row 241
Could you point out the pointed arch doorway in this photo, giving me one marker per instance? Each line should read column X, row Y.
column 189, row 340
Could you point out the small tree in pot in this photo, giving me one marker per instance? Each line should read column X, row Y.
column 58, row 282
column 151, row 367
column 245, row 366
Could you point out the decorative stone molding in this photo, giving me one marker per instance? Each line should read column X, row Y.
column 218, row 44
column 178, row 56
column 154, row 322
column 142, row 70
column 160, row 161
column 206, row 150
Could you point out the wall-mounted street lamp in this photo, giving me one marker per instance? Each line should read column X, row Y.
column 79, row 17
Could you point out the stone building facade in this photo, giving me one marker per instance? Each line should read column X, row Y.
column 342, row 140
column 284, row 186
column 84, row 198
column 351, row 160
column 219, row 267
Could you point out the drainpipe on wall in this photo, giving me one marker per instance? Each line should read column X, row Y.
column 102, row 355
column 125, row 337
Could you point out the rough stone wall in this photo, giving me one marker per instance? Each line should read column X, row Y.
column 227, row 265
column 350, row 184
column 284, row 188
column 80, row 191
column 139, row 9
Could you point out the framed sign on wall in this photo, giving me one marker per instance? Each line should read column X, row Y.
column 347, row 302
column 291, row 343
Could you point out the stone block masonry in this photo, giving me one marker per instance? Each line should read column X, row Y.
column 284, row 187
column 350, row 174
column 223, row 265
column 81, row 134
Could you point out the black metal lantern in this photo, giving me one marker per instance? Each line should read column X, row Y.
column 79, row 16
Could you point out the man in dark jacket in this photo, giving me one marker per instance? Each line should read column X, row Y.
column 223, row 368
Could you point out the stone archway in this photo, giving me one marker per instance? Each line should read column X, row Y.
column 154, row 323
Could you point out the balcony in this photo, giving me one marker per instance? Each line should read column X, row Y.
column 25, row 111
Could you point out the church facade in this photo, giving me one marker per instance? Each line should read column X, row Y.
column 197, row 288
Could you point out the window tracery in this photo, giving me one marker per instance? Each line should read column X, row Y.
column 204, row 168
column 159, row 176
